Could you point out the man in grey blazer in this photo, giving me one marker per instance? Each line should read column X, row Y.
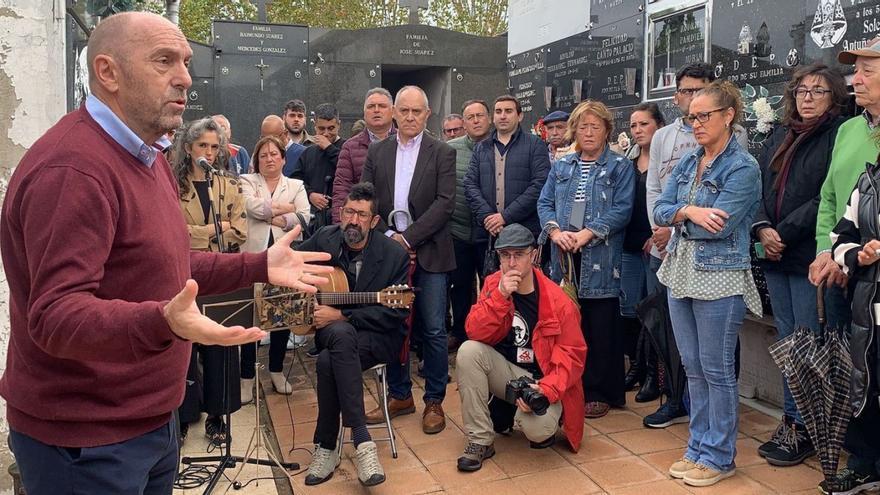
column 414, row 176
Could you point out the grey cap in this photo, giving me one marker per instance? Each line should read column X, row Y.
column 514, row 236
column 871, row 50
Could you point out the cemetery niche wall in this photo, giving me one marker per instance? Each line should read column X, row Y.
column 252, row 69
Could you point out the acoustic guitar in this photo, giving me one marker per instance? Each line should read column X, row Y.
column 281, row 308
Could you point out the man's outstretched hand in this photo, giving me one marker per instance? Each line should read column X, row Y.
column 294, row 269
column 188, row 323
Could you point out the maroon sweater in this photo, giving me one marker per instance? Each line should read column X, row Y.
column 94, row 244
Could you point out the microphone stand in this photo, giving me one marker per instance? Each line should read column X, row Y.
column 226, row 459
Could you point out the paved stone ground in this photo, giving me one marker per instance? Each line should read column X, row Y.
column 618, row 455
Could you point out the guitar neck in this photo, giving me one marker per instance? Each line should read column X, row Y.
column 343, row 298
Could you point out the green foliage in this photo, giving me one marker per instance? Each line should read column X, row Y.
column 104, row 8
column 478, row 17
column 337, row 14
column 154, row 6
column 196, row 15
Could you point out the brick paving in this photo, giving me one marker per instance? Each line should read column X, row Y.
column 618, row 455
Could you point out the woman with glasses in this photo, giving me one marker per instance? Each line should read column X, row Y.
column 710, row 202
column 275, row 204
column 584, row 208
column 794, row 164
column 637, row 278
column 201, row 144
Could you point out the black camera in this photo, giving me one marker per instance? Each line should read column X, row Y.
column 521, row 389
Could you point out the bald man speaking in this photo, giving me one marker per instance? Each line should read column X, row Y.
column 102, row 282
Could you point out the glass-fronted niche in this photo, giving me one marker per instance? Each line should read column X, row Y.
column 676, row 37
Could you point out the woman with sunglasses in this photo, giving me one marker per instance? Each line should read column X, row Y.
column 710, row 201
column 794, row 164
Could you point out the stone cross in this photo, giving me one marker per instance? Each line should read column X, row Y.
column 414, row 6
column 262, row 66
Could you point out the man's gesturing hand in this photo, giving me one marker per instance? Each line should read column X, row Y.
column 509, row 282
column 293, row 268
column 188, row 323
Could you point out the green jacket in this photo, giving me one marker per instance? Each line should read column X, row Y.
column 461, row 224
column 855, row 146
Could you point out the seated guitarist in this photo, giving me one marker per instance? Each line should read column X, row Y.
column 354, row 338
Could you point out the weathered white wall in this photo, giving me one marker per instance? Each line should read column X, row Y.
column 32, row 98
column 535, row 23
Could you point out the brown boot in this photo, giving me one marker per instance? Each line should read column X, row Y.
column 395, row 408
column 433, row 419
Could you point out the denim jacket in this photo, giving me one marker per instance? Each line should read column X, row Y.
column 731, row 183
column 610, row 192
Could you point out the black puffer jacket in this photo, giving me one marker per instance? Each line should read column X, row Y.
column 848, row 239
column 796, row 223
column 526, row 165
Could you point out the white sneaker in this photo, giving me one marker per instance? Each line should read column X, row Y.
column 324, row 462
column 247, row 390
column 366, row 459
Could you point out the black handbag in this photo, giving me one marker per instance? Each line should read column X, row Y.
column 491, row 263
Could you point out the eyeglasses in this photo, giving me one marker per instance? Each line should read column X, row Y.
column 702, row 117
column 687, row 91
column 453, row 130
column 350, row 212
column 514, row 255
column 815, row 93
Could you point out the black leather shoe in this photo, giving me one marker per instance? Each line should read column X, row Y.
column 634, row 376
column 543, row 445
column 650, row 389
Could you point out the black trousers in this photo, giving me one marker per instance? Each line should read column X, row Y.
column 277, row 349
column 604, row 371
column 863, row 440
column 345, row 353
column 463, row 286
column 205, row 387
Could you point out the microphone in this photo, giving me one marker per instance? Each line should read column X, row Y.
column 206, row 166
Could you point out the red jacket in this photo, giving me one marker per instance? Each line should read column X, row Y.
column 557, row 340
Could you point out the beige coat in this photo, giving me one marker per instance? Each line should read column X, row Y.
column 258, row 204
column 229, row 203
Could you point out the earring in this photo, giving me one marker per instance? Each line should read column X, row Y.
column 727, row 125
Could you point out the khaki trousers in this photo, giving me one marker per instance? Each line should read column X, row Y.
column 481, row 370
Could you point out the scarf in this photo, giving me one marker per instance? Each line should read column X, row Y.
column 798, row 132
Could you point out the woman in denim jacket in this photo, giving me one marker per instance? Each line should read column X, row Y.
column 710, row 200
column 584, row 208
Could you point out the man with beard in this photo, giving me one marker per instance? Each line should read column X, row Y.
column 357, row 337
column 294, row 116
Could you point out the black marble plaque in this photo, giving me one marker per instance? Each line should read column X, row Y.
column 200, row 99
column 476, row 83
column 832, row 26
column 676, row 40
column 604, row 12
column 620, row 118
column 617, row 56
column 344, row 85
column 757, row 42
column 257, row 39
column 570, row 70
column 526, row 80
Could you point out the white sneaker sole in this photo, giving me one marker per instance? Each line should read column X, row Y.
column 709, row 481
column 673, row 421
column 861, row 488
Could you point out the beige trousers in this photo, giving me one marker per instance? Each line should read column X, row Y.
column 481, row 370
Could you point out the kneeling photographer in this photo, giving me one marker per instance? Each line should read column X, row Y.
column 526, row 349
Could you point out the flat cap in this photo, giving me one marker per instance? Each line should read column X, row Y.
column 557, row 116
column 514, row 236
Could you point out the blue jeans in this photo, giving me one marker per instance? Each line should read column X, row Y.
column 430, row 306
column 143, row 465
column 706, row 335
column 794, row 305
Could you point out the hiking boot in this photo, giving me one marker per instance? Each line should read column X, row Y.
column 849, row 482
column 669, row 414
column 593, row 410
column 324, row 462
column 396, row 408
column 793, row 447
column 433, row 418
column 366, row 459
column 474, row 455
column 702, row 475
column 680, row 467
column 773, row 443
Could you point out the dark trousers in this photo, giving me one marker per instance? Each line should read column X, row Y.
column 205, row 390
column 462, row 282
column 277, row 349
column 604, row 372
column 345, row 353
column 863, row 440
column 144, row 465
